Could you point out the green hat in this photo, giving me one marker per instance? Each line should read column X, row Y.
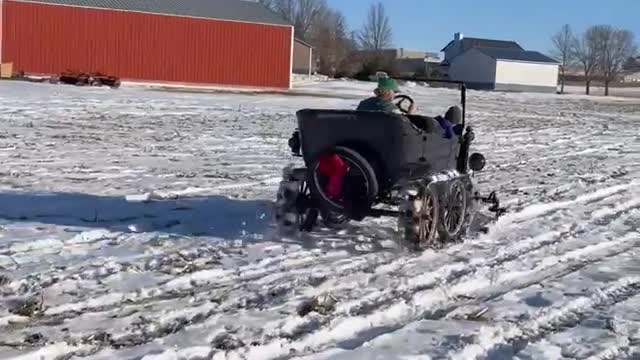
column 388, row 84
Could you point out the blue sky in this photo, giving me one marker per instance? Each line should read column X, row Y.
column 430, row 24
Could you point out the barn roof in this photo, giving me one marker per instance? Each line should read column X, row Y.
column 234, row 10
column 517, row 55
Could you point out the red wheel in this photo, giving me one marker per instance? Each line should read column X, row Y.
column 342, row 181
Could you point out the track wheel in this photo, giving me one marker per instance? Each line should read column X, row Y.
column 293, row 210
column 419, row 217
column 454, row 210
column 333, row 219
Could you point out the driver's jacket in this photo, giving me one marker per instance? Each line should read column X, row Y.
column 377, row 104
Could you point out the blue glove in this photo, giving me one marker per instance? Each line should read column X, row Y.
column 446, row 126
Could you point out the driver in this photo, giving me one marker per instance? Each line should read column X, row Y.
column 383, row 101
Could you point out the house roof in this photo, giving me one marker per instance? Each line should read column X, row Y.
column 470, row 42
column 516, row 55
column 234, row 10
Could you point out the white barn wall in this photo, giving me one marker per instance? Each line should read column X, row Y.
column 512, row 75
column 475, row 68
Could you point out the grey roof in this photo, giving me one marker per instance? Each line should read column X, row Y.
column 470, row 42
column 518, row 55
column 236, row 10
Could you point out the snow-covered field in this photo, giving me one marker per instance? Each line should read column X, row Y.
column 137, row 225
column 620, row 91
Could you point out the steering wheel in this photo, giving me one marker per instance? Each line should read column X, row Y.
column 401, row 99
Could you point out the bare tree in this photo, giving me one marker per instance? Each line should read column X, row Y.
column 585, row 51
column 321, row 26
column 332, row 42
column 615, row 47
column 303, row 14
column 376, row 33
column 309, row 12
column 562, row 42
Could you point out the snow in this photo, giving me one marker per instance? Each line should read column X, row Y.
column 137, row 223
column 621, row 91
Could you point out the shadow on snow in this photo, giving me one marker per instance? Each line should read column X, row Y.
column 215, row 216
column 210, row 216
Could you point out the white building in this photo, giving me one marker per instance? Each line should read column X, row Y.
column 632, row 78
column 499, row 65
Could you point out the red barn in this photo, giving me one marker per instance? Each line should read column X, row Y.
column 220, row 42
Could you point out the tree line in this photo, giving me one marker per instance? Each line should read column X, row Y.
column 601, row 52
column 327, row 31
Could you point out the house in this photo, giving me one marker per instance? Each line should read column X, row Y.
column 499, row 65
column 631, row 77
column 227, row 43
column 302, row 57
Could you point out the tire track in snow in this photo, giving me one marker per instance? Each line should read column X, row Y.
column 616, row 210
column 453, row 272
column 567, row 154
column 628, row 353
column 623, row 351
column 450, row 273
column 507, row 221
column 280, row 279
column 351, row 332
column 178, row 321
column 166, row 262
column 185, row 285
column 174, row 321
column 207, row 314
column 513, row 339
column 624, row 332
column 157, row 263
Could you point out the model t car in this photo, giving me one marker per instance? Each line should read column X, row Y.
column 367, row 163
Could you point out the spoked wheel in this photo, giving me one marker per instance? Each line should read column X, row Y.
column 294, row 211
column 419, row 218
column 454, row 211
